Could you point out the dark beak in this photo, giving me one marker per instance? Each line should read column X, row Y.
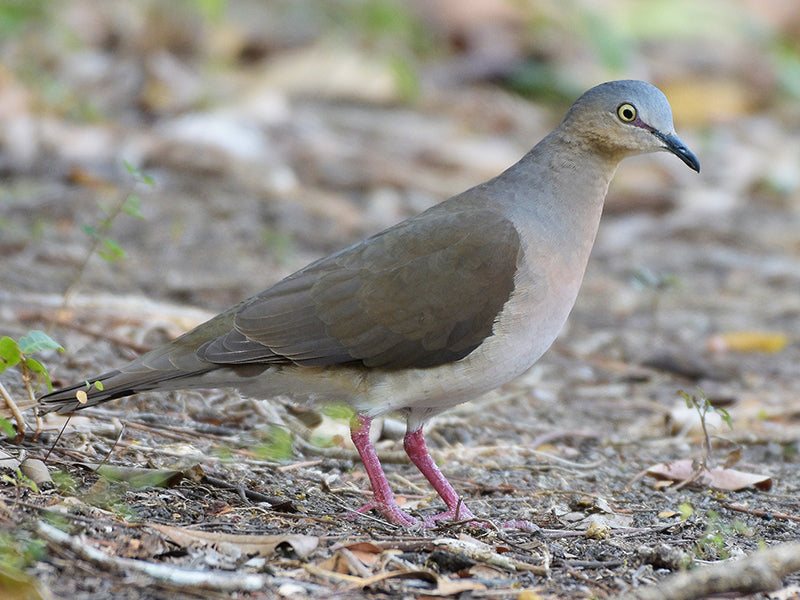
column 679, row 149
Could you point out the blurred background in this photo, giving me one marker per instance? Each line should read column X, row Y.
column 261, row 135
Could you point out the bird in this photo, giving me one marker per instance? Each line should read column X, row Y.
column 434, row 311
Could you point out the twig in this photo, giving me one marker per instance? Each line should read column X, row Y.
column 58, row 438
column 759, row 572
column 274, row 501
column 12, row 406
column 766, row 514
column 213, row 580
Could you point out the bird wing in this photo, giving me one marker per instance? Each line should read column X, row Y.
column 419, row 294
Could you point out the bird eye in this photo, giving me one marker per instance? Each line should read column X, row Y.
column 626, row 112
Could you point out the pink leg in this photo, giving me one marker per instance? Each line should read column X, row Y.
column 417, row 451
column 382, row 496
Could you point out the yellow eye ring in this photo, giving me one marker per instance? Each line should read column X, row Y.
column 626, row 112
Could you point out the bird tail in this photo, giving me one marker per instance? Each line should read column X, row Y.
column 112, row 385
column 173, row 366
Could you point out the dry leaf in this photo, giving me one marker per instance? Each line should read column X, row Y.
column 366, row 552
column 349, row 563
column 8, row 462
column 360, row 547
column 528, row 595
column 748, row 341
column 251, row 545
column 718, row 477
column 338, row 563
column 598, row 531
column 452, row 587
column 404, row 574
column 444, row 585
column 36, row 470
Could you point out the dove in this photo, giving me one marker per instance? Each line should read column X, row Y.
column 429, row 313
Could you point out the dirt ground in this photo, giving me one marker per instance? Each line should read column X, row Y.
column 692, row 287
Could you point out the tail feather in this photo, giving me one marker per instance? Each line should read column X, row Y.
column 115, row 384
column 174, row 365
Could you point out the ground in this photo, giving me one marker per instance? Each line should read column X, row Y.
column 692, row 287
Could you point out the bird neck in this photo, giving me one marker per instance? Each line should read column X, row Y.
column 560, row 170
column 563, row 168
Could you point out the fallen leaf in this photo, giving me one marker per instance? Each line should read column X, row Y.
column 718, row 477
column 36, row 470
column 748, row 341
column 429, row 576
column 444, row 585
column 250, row 545
column 8, row 462
column 597, row 531
column 360, row 547
column 139, row 477
column 452, row 587
column 337, row 563
column 528, row 595
column 348, row 562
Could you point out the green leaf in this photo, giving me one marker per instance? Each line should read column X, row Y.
column 7, row 428
column 406, row 78
column 10, row 354
column 340, row 412
column 278, row 446
column 90, row 231
column 112, row 251
column 130, row 168
column 36, row 367
column 65, row 482
column 140, row 477
column 132, row 206
column 38, row 340
column 725, row 416
column 137, row 174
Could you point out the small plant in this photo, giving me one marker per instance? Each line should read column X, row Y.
column 704, row 407
column 111, row 496
column 101, row 242
column 713, row 543
column 15, row 353
column 18, row 552
column 65, row 482
column 20, row 481
column 276, row 446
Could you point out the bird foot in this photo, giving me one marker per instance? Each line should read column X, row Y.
column 466, row 516
column 391, row 512
column 396, row 515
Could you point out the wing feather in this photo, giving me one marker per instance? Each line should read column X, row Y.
column 419, row 294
